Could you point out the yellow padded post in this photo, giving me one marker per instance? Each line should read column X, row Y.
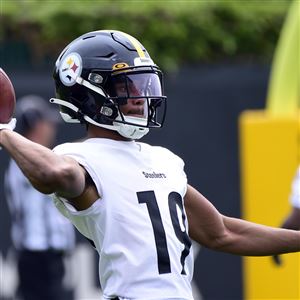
column 269, row 149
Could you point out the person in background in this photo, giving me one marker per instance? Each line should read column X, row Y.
column 292, row 221
column 41, row 236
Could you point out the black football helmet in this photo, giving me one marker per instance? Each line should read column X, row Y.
column 96, row 75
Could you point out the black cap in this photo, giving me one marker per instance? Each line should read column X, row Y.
column 31, row 109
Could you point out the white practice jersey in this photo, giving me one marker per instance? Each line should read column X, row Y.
column 295, row 196
column 138, row 225
column 36, row 223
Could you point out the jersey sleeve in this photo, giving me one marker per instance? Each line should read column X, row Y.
column 178, row 164
column 181, row 166
column 295, row 196
column 77, row 152
column 78, row 218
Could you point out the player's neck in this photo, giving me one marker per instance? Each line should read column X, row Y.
column 99, row 132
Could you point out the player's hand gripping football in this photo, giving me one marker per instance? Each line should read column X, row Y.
column 7, row 102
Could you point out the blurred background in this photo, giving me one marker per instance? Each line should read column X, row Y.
column 217, row 59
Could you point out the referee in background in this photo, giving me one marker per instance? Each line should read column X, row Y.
column 41, row 236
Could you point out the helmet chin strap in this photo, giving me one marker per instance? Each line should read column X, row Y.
column 131, row 131
column 128, row 131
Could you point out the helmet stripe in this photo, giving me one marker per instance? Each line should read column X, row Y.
column 135, row 43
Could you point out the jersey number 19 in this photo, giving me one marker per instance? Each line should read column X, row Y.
column 174, row 200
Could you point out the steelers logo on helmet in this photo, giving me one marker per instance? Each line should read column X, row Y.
column 70, row 68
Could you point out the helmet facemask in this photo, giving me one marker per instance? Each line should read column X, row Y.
column 138, row 97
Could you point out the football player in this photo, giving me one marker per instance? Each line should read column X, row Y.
column 131, row 199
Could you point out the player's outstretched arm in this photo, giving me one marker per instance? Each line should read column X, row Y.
column 47, row 171
column 213, row 230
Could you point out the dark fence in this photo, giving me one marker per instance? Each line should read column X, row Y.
column 204, row 103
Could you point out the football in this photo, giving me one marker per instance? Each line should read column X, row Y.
column 7, row 98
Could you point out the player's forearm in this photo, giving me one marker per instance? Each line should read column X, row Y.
column 39, row 164
column 246, row 238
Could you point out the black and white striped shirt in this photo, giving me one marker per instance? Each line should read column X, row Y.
column 36, row 223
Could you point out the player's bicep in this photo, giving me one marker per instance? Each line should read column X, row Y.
column 67, row 179
column 205, row 222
